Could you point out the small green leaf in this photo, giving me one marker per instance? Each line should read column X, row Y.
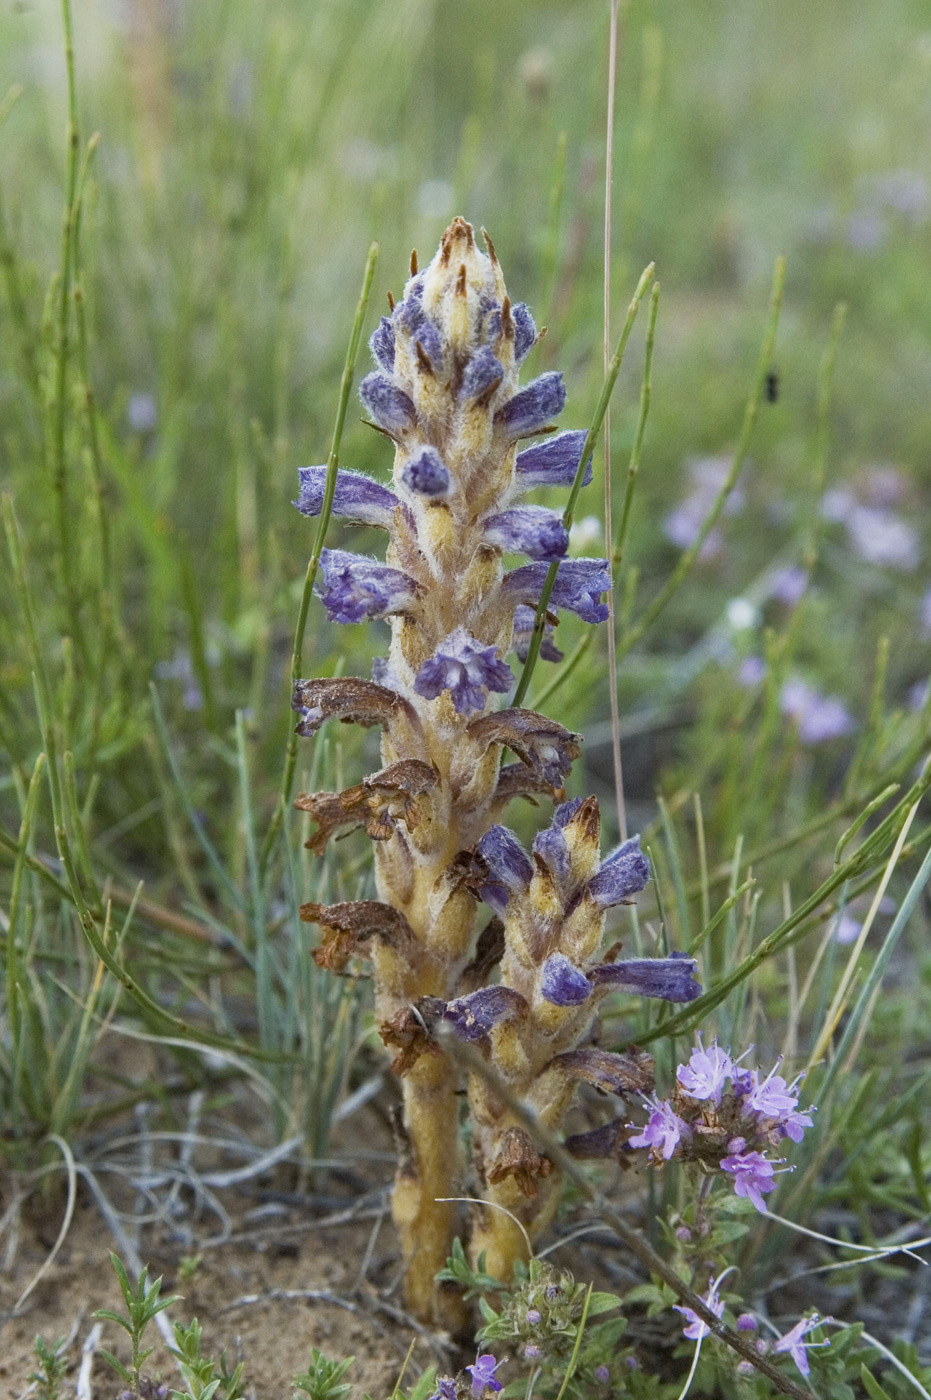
column 871, row 1385
column 602, row 1303
column 118, row 1366
column 105, row 1315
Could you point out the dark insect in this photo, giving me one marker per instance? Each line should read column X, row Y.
column 772, row 386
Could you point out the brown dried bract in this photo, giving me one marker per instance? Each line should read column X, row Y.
column 411, row 1031
column 607, row 1070
column 379, row 802
column 515, row 1157
column 607, row 1142
column 546, row 747
column 347, row 928
column 488, row 953
column 347, row 698
column 517, row 780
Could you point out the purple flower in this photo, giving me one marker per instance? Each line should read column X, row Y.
column 525, row 331
column 426, row 474
column 552, row 462
column 773, row 1097
column 789, row 584
column 473, row 1016
column 602, row 1375
column 381, row 344
column 797, row 1348
column 523, row 628
column 704, row 1075
column 754, row 1175
column 697, row 1330
column 534, row 1316
column 356, row 497
column 562, row 983
column 752, row 671
column 746, row 1323
column 532, row 1352
column 356, row 588
column 466, row 669
column 670, row 978
column 483, row 1374
column 578, row 587
column 665, row 1129
column 386, row 404
column 534, row 406
column 883, row 538
column 624, row 872
column 446, row 1389
column 531, row 530
column 482, row 373
column 819, row 717
column 508, row 865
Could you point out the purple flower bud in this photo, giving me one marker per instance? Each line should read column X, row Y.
column 523, row 628
column 531, row 1351
column 550, row 845
column 533, row 407
column 356, row 497
column 602, row 1375
column 562, row 983
column 356, row 588
column 473, row 1016
column 670, row 978
column 426, row 474
column 410, row 310
column 508, row 865
column 746, row 1323
column 534, row 1316
column 525, row 331
column 386, row 404
column 466, row 669
column 552, row 462
column 381, row 344
column 578, row 587
column 553, row 1292
column 684, row 1234
column 445, row 1390
column 481, row 373
column 531, row 530
column 624, row 872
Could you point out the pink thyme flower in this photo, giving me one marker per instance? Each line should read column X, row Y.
column 796, row 1347
column 753, row 1175
column 704, row 1075
column 697, row 1330
column 665, row 1129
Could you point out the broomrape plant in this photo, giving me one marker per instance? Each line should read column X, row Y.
column 447, row 395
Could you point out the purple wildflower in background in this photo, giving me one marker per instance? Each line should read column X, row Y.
column 819, row 717
column 665, row 1129
column 553, row 462
column 356, row 497
column 752, row 671
column 467, row 669
column 789, row 584
column 523, row 628
column 754, row 1175
column 356, row 588
column 483, row 1374
column 697, row 1330
column 531, row 530
column 533, row 407
column 580, row 583
column 883, row 538
column 683, row 524
column 704, row 1075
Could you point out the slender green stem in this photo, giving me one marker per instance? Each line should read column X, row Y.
column 591, row 438
column 687, row 559
column 332, row 467
column 633, row 465
column 62, row 348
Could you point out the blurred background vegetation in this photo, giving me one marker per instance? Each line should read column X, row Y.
column 156, row 402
